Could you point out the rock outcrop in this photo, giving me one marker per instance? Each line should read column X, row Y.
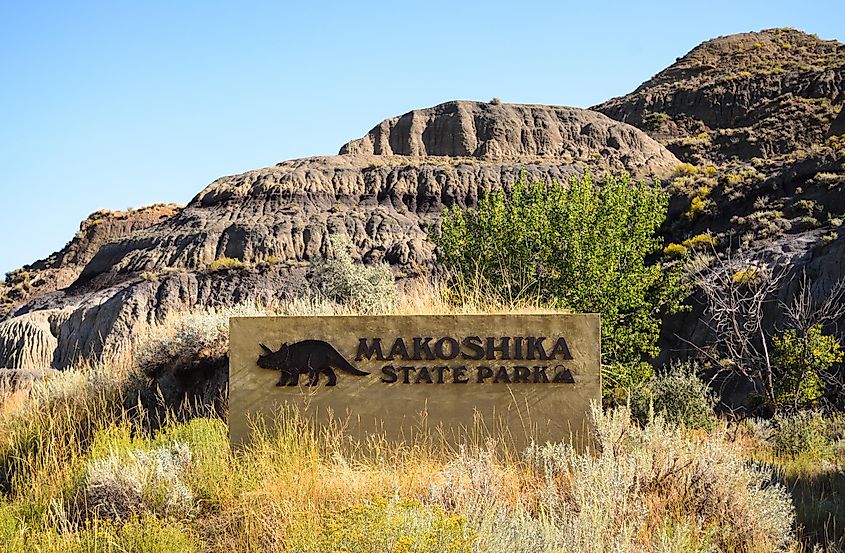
column 63, row 267
column 384, row 203
column 748, row 95
column 497, row 131
column 757, row 117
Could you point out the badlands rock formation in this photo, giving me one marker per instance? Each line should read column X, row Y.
column 384, row 190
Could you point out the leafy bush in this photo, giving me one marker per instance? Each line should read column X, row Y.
column 674, row 250
column 677, row 394
column 803, row 433
column 366, row 289
column 581, row 247
column 801, row 360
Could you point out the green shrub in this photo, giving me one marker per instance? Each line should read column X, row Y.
column 581, row 247
column 654, row 120
column 364, row 288
column 801, row 359
column 809, row 222
column 702, row 139
column 802, row 434
column 225, row 263
column 700, row 242
column 828, row 238
column 674, row 250
column 678, row 394
column 697, row 206
column 747, row 276
column 685, row 169
column 807, row 206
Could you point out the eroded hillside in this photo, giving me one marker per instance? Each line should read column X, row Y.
column 251, row 237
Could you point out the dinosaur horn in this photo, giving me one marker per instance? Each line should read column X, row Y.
column 266, row 349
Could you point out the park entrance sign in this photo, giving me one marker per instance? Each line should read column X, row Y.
column 517, row 377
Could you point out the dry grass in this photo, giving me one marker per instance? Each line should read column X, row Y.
column 79, row 472
column 93, row 480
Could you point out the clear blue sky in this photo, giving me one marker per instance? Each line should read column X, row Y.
column 118, row 104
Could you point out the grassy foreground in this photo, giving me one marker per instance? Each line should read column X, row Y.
column 81, row 472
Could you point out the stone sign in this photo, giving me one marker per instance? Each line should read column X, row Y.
column 516, row 377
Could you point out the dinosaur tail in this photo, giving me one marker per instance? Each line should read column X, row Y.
column 341, row 363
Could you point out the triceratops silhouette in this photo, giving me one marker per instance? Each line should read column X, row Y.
column 310, row 357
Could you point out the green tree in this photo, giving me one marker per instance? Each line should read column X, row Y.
column 801, row 359
column 584, row 247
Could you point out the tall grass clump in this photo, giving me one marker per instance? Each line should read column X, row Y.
column 803, row 434
column 41, row 439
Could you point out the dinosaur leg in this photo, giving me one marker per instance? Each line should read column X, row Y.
column 283, row 379
column 313, row 377
column 294, row 378
column 332, row 377
column 313, row 374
